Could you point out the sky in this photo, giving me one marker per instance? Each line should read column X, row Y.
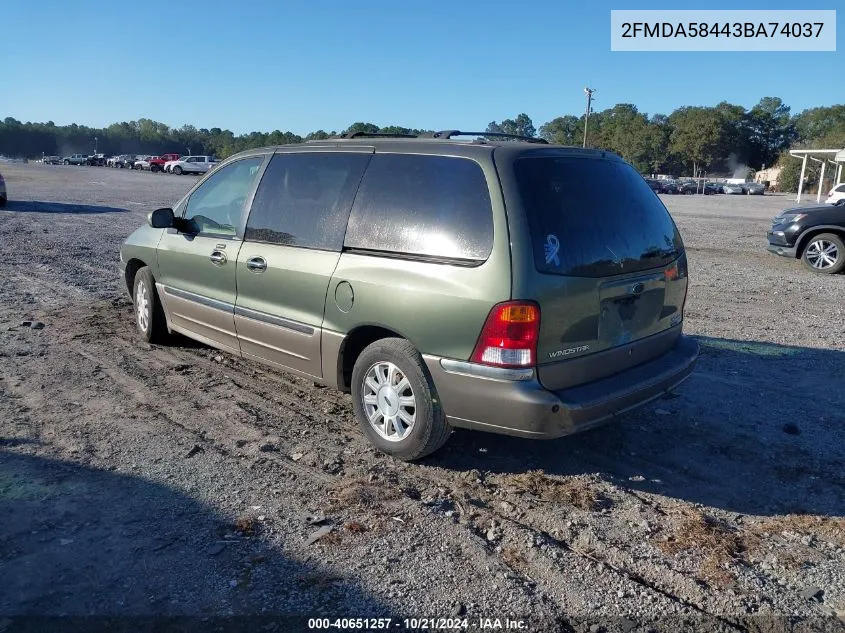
column 298, row 66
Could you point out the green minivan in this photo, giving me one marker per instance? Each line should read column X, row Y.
column 498, row 284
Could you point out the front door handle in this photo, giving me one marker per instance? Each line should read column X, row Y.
column 218, row 257
column 256, row 264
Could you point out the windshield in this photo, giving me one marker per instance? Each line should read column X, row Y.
column 593, row 217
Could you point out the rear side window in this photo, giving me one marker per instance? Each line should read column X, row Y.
column 304, row 199
column 593, row 217
column 433, row 206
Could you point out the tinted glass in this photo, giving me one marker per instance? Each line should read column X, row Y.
column 593, row 217
column 304, row 199
column 216, row 205
column 423, row 205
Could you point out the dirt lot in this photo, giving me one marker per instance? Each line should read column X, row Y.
column 140, row 480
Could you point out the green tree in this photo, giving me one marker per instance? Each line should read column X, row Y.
column 564, row 130
column 817, row 123
column 770, row 129
column 624, row 130
column 698, row 135
column 367, row 128
column 522, row 125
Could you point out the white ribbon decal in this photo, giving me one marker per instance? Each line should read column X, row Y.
column 551, row 247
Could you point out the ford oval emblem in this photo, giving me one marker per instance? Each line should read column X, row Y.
column 637, row 288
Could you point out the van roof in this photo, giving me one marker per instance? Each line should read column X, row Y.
column 479, row 145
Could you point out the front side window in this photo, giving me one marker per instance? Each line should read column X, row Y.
column 419, row 205
column 216, row 205
column 304, row 199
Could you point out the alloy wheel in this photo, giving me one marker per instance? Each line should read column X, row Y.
column 822, row 254
column 142, row 303
column 389, row 401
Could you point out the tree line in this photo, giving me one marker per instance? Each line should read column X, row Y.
column 692, row 140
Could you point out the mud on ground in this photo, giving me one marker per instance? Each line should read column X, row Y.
column 140, row 479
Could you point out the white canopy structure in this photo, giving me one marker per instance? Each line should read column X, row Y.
column 835, row 157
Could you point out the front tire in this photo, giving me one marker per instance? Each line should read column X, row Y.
column 824, row 253
column 149, row 315
column 177, row 170
column 395, row 401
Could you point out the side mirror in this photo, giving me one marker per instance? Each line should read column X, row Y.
column 161, row 218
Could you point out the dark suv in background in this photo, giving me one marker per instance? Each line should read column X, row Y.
column 514, row 287
column 815, row 234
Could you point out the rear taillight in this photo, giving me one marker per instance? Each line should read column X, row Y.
column 677, row 269
column 509, row 336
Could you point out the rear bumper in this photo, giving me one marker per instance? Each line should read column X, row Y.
column 525, row 408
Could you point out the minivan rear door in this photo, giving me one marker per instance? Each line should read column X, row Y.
column 292, row 243
column 604, row 261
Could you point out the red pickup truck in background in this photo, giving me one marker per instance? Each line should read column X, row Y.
column 157, row 164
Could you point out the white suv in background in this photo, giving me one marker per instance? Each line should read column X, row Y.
column 190, row 165
column 837, row 194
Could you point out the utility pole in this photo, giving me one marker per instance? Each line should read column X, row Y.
column 589, row 92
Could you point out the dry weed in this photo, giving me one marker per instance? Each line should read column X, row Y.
column 576, row 492
column 359, row 492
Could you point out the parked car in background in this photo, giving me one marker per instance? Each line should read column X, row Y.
column 96, row 160
column 133, row 160
column 837, row 194
column 143, row 163
column 51, row 160
column 686, row 187
column 668, row 186
column 157, row 163
column 755, row 188
column 711, row 188
column 732, row 188
column 294, row 256
column 191, row 165
column 75, row 159
column 3, row 197
column 815, row 234
column 123, row 161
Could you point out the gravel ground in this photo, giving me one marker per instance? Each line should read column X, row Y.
column 140, row 480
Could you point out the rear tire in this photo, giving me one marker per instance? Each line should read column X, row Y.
column 149, row 315
column 824, row 253
column 2, row 202
column 390, row 386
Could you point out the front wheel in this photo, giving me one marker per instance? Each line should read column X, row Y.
column 395, row 401
column 149, row 315
column 825, row 253
column 177, row 170
column 154, row 168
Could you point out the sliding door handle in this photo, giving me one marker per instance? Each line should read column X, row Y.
column 256, row 264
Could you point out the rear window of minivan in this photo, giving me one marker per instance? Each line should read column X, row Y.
column 593, row 217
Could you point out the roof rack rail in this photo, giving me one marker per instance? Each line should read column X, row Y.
column 375, row 135
column 447, row 134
